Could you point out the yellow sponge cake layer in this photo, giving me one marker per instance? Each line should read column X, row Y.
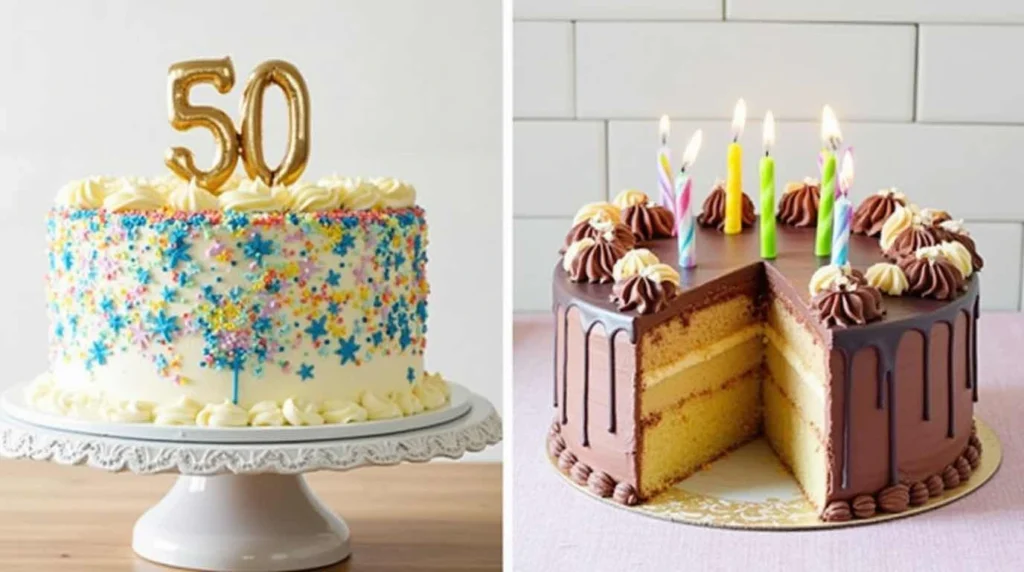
column 796, row 442
column 678, row 441
column 664, row 345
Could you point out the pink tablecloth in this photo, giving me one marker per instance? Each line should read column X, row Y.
column 559, row 529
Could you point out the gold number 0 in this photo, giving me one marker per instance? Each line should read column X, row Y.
column 221, row 73
column 285, row 76
column 180, row 79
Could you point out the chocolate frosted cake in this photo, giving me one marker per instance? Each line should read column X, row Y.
column 862, row 378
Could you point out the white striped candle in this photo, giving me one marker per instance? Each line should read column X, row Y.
column 843, row 216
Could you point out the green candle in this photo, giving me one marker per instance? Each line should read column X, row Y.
column 823, row 242
column 831, row 137
column 768, row 190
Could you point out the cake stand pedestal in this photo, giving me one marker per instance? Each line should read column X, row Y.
column 246, row 506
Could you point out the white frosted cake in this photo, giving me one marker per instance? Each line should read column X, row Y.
column 298, row 305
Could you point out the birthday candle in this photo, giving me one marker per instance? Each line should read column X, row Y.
column 831, row 138
column 843, row 214
column 665, row 167
column 686, row 229
column 767, row 225
column 734, row 181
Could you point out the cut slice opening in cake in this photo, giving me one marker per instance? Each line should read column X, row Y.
column 722, row 375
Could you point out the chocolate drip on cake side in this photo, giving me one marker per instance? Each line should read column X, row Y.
column 885, row 342
column 972, row 347
column 589, row 320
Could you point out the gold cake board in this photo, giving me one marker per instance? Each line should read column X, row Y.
column 750, row 489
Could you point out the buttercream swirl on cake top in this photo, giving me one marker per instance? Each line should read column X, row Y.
column 630, row 198
column 645, row 219
column 909, row 229
column 395, row 193
column 169, row 192
column 361, row 195
column 931, row 274
column 887, row 277
column 956, row 231
column 256, row 196
column 134, row 196
column 825, row 277
column 958, row 254
column 647, row 292
column 308, row 197
column 872, row 213
column 901, row 219
column 848, row 302
column 632, row 263
column 86, row 194
column 713, row 211
column 602, row 226
column 590, row 210
column 643, row 283
column 592, row 259
column 191, row 198
column 799, row 204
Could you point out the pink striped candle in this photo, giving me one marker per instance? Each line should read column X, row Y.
column 667, row 198
column 686, row 229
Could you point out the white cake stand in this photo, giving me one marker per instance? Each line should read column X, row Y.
column 246, row 506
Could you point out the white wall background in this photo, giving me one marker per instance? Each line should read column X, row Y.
column 403, row 88
column 927, row 91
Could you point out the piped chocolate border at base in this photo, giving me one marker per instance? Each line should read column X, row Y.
column 598, row 482
column 892, row 499
column 899, row 497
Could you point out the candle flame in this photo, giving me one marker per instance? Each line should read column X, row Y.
column 664, row 128
column 692, row 148
column 830, row 134
column 739, row 119
column 769, row 131
column 846, row 173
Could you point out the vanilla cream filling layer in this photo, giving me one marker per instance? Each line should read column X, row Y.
column 703, row 355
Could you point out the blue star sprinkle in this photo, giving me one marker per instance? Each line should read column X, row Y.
column 347, row 350
column 257, row 248
column 332, row 278
column 317, row 328
column 305, row 371
column 164, row 326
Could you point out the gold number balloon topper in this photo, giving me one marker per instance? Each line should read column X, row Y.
column 248, row 144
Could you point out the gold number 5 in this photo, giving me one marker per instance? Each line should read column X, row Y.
column 221, row 73
column 181, row 77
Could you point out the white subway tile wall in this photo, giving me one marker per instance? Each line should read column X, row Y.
column 921, row 88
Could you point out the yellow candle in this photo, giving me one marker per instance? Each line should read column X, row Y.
column 734, row 179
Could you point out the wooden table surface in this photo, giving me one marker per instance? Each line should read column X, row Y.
column 436, row 517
